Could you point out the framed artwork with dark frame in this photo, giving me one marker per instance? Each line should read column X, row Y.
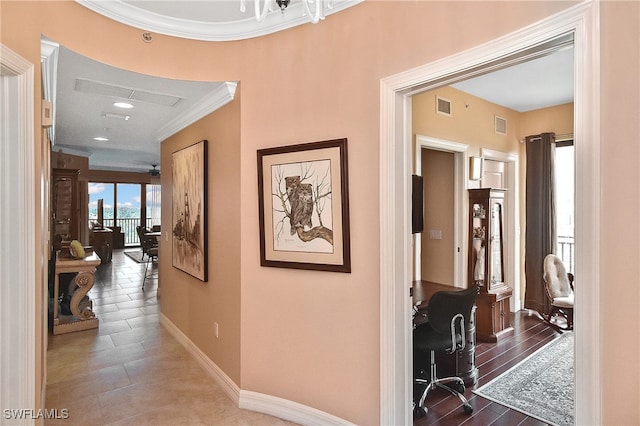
column 189, row 210
column 303, row 203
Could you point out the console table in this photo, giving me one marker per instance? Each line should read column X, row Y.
column 461, row 363
column 82, row 316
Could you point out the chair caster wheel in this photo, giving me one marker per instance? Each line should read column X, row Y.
column 419, row 412
column 468, row 409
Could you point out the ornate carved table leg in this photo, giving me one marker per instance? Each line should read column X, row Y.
column 81, row 306
column 83, row 317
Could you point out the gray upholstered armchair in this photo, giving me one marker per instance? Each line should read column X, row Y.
column 559, row 288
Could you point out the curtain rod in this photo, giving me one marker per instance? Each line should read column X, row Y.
column 559, row 138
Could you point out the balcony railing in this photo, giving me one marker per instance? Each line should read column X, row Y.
column 128, row 228
column 566, row 252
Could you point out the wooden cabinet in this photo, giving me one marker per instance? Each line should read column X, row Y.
column 493, row 316
column 102, row 242
column 65, row 207
column 486, row 263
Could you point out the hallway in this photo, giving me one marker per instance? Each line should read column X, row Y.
column 131, row 371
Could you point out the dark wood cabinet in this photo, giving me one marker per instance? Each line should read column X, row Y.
column 65, row 207
column 102, row 242
column 486, row 263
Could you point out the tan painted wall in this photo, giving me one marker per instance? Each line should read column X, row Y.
column 305, row 334
column 471, row 121
column 619, row 266
column 192, row 305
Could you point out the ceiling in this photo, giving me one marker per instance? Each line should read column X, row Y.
column 86, row 90
column 84, row 109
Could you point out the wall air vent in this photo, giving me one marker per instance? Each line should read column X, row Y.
column 443, row 106
column 501, row 125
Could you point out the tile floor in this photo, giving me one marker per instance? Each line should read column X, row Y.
column 131, row 371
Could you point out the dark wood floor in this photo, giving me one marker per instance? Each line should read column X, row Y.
column 531, row 333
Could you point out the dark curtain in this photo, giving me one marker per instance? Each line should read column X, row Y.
column 540, row 235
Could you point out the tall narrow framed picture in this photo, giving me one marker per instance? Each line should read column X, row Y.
column 189, row 210
column 303, row 203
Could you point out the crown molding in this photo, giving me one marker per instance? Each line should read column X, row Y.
column 216, row 99
column 206, row 30
column 61, row 149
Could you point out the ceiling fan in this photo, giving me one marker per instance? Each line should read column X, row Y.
column 154, row 172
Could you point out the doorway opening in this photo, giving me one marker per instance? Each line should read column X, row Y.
column 395, row 224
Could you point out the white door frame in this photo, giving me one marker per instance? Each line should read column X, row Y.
column 512, row 222
column 461, row 177
column 395, row 201
column 18, row 318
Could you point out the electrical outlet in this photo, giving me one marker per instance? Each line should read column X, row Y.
column 215, row 329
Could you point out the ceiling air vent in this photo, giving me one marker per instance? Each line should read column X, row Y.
column 501, row 125
column 129, row 93
column 443, row 106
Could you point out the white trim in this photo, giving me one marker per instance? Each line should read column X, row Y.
column 287, row 410
column 461, row 179
column 49, row 62
column 17, row 220
column 512, row 222
column 249, row 400
column 396, row 391
column 228, row 386
column 395, row 339
column 214, row 100
column 588, row 384
column 207, row 30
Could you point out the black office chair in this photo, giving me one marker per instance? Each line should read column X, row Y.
column 448, row 316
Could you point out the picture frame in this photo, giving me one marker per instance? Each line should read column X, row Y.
column 303, row 203
column 189, row 210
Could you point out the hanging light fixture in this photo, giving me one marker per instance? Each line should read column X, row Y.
column 313, row 9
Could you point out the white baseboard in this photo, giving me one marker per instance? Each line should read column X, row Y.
column 288, row 410
column 254, row 401
column 228, row 386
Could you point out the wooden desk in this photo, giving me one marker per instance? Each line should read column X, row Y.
column 82, row 317
column 462, row 363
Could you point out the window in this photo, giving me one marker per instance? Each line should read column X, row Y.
column 128, row 215
column 125, row 205
column 105, row 192
column 564, row 181
column 153, row 205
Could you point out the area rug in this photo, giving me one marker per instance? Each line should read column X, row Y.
column 540, row 386
column 136, row 254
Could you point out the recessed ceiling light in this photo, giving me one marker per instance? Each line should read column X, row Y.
column 123, row 105
column 100, row 138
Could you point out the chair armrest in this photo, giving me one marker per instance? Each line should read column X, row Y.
column 570, row 275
